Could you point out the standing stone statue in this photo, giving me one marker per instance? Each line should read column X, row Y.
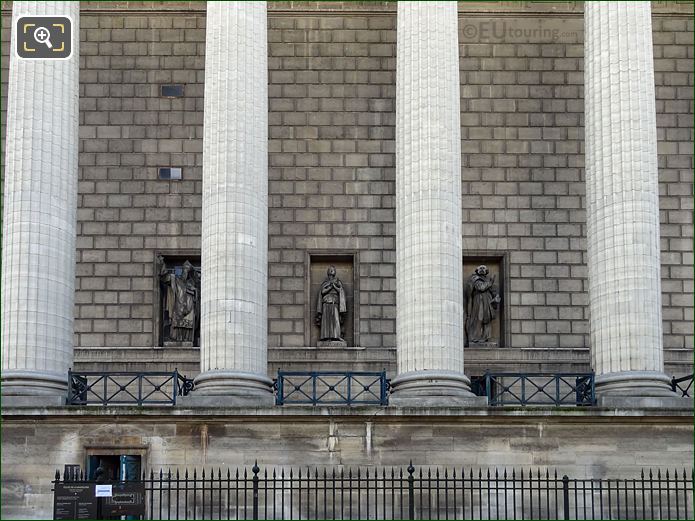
column 482, row 300
column 181, row 301
column 331, row 307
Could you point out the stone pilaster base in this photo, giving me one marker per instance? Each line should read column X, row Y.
column 33, row 389
column 637, row 389
column 433, row 389
column 230, row 388
column 634, row 383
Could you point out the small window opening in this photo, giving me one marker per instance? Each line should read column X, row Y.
column 170, row 173
column 172, row 91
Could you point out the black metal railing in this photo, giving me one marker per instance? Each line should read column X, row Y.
column 410, row 493
column 558, row 389
column 331, row 388
column 340, row 388
column 126, row 388
column 683, row 386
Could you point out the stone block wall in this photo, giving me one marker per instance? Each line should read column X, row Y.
column 522, row 118
column 332, row 164
column 127, row 132
column 332, row 88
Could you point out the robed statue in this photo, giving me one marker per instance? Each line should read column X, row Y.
column 181, row 302
column 482, row 301
column 331, row 307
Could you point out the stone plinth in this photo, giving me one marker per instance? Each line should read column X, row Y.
column 332, row 343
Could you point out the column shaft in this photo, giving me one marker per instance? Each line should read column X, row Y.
column 234, row 256
column 430, row 316
column 39, row 218
column 622, row 199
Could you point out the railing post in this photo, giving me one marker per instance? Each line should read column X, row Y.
column 314, row 399
column 523, row 389
column 255, row 470
column 593, row 388
column 488, row 387
column 70, row 390
column 557, row 391
column 349, row 389
column 566, row 496
column 176, row 386
column 411, row 491
column 280, row 398
column 140, row 389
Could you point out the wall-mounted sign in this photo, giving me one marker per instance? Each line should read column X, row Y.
column 128, row 500
column 74, row 501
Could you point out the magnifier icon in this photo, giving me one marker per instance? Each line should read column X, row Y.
column 42, row 35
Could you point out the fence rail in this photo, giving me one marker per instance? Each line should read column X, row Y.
column 331, row 388
column 410, row 493
column 126, row 388
column 557, row 389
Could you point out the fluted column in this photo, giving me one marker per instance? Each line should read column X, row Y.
column 234, row 252
column 429, row 269
column 39, row 219
column 622, row 200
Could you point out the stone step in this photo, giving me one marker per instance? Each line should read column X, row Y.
column 477, row 360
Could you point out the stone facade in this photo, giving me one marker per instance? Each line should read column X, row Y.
column 582, row 443
column 332, row 163
column 331, row 194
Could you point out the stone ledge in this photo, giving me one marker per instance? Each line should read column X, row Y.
column 294, row 412
column 503, row 359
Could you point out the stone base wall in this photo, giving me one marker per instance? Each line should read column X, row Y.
column 593, row 443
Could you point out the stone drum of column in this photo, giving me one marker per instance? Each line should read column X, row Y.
column 429, row 269
column 39, row 218
column 234, row 252
column 622, row 200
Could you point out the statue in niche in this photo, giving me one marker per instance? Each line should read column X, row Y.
column 482, row 300
column 181, row 303
column 331, row 308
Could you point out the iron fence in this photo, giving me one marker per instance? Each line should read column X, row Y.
column 683, row 385
column 126, row 388
column 331, row 388
column 574, row 389
column 410, row 493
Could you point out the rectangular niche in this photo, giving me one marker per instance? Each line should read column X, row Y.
column 165, row 334
column 496, row 264
column 347, row 270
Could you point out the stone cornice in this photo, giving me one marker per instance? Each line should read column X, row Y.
column 682, row 415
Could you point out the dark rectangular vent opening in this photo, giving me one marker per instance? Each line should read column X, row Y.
column 172, row 91
column 170, row 173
